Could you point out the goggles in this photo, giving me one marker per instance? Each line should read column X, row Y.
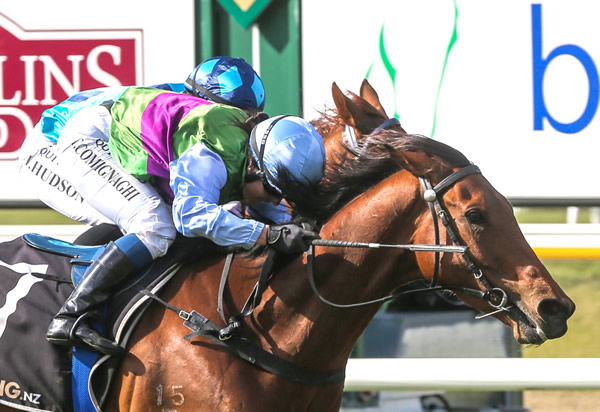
column 263, row 172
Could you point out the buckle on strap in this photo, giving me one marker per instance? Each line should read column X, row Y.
column 495, row 294
column 184, row 315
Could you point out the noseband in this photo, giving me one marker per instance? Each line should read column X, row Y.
column 496, row 297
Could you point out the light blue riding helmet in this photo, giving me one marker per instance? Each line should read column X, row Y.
column 288, row 143
column 227, row 80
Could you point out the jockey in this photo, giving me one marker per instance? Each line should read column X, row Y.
column 219, row 79
column 158, row 163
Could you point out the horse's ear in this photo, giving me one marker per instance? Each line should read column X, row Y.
column 346, row 108
column 368, row 93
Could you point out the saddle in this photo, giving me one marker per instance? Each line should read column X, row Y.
column 81, row 256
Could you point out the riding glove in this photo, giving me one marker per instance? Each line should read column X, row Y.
column 290, row 239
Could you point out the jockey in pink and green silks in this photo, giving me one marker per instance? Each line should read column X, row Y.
column 157, row 163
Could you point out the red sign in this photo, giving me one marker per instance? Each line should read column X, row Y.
column 39, row 69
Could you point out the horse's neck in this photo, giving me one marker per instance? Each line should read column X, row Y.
column 295, row 322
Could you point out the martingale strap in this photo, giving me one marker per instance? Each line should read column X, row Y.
column 250, row 352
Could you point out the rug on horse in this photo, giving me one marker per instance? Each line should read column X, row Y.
column 34, row 374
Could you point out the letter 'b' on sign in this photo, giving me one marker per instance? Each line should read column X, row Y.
column 539, row 68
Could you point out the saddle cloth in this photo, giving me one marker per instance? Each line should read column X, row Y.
column 36, row 375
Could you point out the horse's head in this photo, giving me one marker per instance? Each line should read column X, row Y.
column 482, row 219
column 378, row 198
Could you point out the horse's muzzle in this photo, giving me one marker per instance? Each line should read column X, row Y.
column 554, row 314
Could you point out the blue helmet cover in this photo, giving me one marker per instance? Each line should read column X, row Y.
column 231, row 79
column 294, row 144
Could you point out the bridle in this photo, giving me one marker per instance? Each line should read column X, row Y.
column 496, row 297
column 351, row 142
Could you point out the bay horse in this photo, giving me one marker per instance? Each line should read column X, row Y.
column 384, row 193
column 375, row 197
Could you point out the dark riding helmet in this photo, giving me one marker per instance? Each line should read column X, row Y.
column 227, row 80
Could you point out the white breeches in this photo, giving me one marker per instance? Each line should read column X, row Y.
column 79, row 178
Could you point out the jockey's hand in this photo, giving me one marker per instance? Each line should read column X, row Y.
column 290, row 239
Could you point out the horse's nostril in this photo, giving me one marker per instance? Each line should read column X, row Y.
column 554, row 308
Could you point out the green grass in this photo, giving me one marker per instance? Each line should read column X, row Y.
column 50, row 217
column 33, row 217
column 580, row 279
column 550, row 215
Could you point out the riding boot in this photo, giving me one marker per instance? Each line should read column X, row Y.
column 71, row 325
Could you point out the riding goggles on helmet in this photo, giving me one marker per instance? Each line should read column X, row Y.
column 288, row 150
column 227, row 80
column 259, row 152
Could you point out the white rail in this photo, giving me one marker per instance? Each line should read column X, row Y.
column 472, row 374
column 564, row 241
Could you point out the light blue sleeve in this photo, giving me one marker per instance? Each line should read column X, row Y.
column 276, row 213
column 196, row 180
column 54, row 119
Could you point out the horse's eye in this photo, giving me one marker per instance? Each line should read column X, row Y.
column 475, row 217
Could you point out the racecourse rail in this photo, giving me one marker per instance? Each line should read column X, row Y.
column 472, row 374
column 552, row 241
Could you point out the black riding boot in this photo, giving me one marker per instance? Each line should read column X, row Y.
column 68, row 327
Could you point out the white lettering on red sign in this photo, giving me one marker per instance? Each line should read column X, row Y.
column 39, row 69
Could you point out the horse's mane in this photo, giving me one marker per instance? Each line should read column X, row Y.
column 327, row 122
column 353, row 175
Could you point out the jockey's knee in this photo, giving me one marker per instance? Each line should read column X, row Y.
column 154, row 226
column 158, row 239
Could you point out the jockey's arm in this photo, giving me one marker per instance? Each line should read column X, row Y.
column 268, row 212
column 197, row 178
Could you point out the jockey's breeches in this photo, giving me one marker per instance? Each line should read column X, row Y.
column 78, row 177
